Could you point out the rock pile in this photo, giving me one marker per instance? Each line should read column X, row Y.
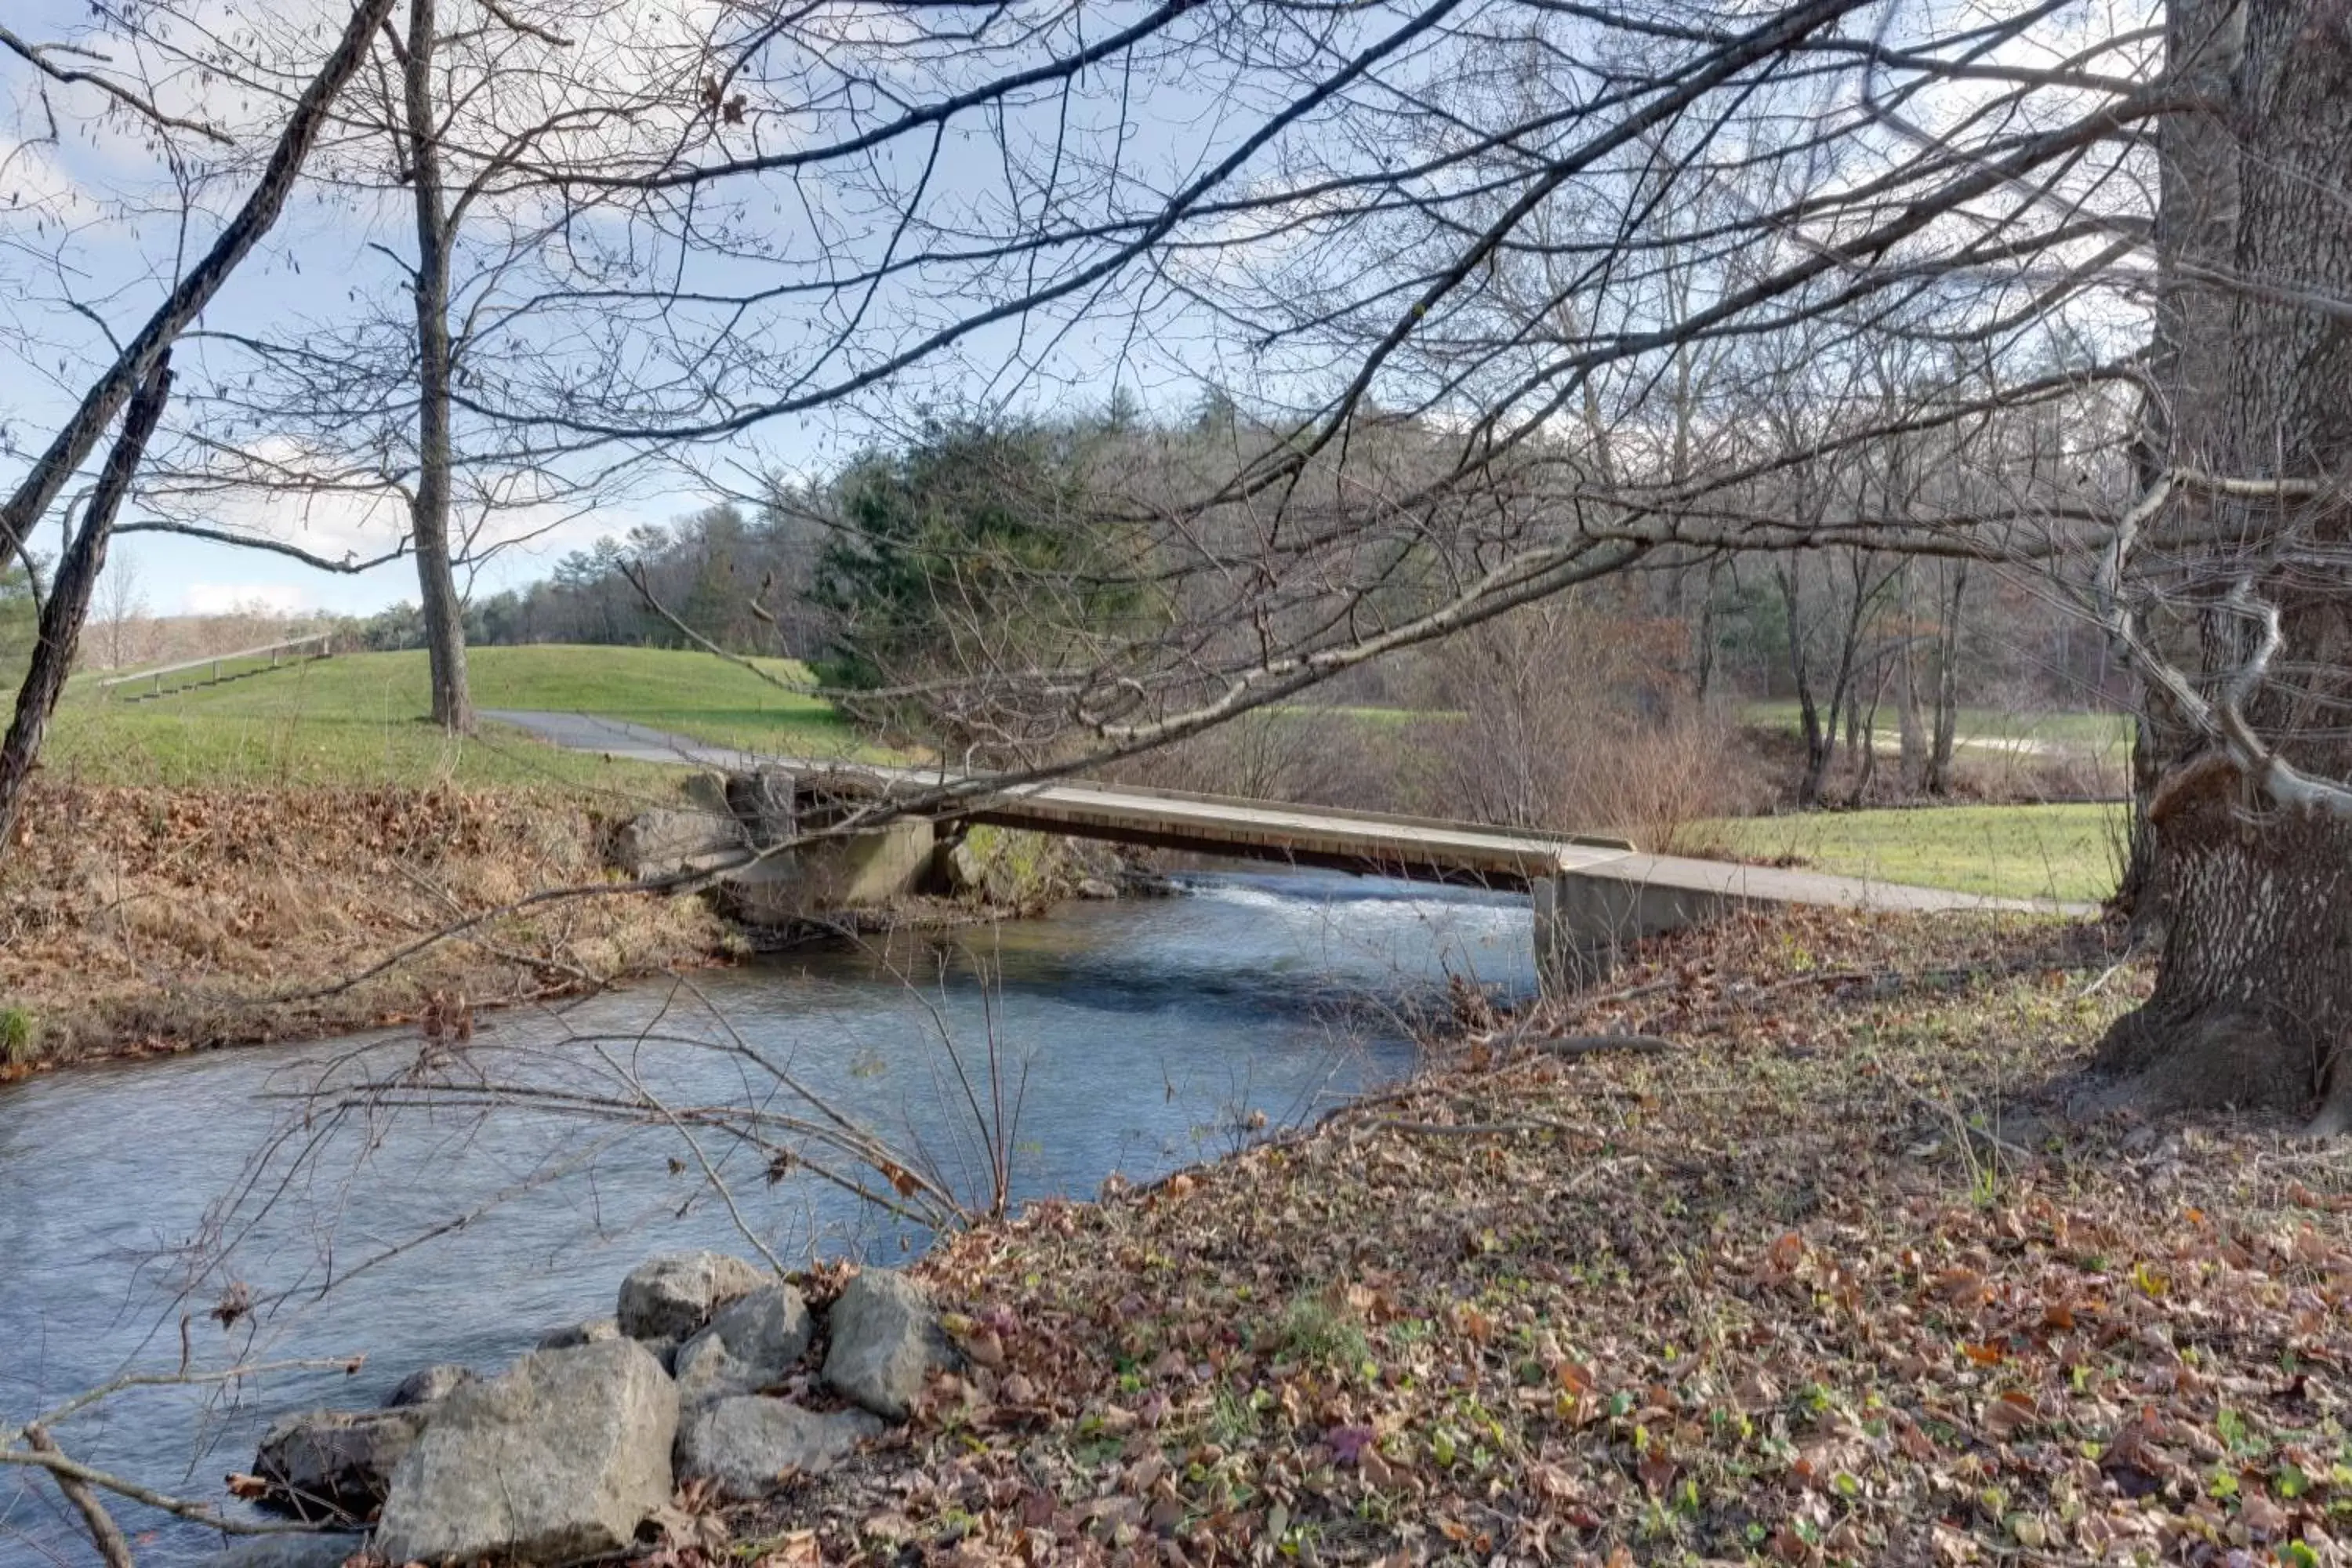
column 566, row 1453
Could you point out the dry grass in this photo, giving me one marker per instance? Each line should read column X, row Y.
column 136, row 919
column 1808, row 1288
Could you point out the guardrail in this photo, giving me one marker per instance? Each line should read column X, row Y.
column 278, row 652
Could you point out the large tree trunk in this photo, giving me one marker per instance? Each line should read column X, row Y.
column 2253, row 996
column 445, row 626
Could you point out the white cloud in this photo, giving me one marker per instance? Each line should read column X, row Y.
column 234, row 598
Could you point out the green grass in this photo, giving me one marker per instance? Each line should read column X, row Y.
column 1984, row 726
column 2008, row 851
column 360, row 718
column 1376, row 718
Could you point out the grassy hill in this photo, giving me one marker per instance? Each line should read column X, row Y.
column 361, row 719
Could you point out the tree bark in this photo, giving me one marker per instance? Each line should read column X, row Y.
column 1906, row 695
column 429, row 526
column 2136, row 897
column 68, row 608
column 2253, row 994
column 1821, row 741
column 1947, row 686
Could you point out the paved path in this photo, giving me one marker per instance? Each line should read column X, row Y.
column 1421, row 847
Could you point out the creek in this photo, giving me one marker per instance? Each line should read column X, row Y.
column 1131, row 1038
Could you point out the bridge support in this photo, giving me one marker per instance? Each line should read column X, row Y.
column 857, row 871
column 1585, row 919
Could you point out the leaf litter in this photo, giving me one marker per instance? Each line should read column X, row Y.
column 1833, row 1280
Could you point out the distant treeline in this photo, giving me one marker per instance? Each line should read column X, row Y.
column 711, row 570
column 901, row 557
column 984, row 542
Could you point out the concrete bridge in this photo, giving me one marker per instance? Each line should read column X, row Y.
column 1590, row 895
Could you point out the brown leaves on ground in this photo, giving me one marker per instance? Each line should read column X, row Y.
column 169, row 918
column 1809, row 1290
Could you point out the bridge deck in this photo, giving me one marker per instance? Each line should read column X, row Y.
column 1422, row 848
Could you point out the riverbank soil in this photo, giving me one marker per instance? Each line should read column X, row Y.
column 163, row 919
column 1816, row 1283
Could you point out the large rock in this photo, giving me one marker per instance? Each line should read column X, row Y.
column 330, row 1466
column 885, row 1338
column 558, row 1459
column 289, row 1551
column 429, row 1384
column 594, row 1332
column 664, row 840
column 750, row 1343
column 669, row 1297
column 750, row 1446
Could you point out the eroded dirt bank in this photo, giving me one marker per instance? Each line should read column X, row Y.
column 135, row 920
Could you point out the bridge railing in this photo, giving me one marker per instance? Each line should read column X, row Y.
column 322, row 643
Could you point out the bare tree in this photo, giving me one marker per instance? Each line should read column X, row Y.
column 1440, row 442
column 137, row 382
column 465, row 131
column 120, row 607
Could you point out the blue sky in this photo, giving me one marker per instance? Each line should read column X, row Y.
column 88, row 216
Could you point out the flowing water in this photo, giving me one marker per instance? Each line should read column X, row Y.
column 1129, row 1038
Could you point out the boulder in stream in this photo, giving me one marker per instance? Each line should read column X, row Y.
column 751, row 1342
column 557, row 1460
column 594, row 1332
column 329, row 1465
column 749, row 1445
column 429, row 1384
column 669, row 1297
column 886, row 1337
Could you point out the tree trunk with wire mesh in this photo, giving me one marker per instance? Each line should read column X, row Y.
column 2254, row 997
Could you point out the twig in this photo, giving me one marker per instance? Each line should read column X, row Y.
column 2095, row 987
column 103, row 1532
column 106, row 1390
column 38, row 57
column 634, row 574
column 710, row 1171
column 206, row 1514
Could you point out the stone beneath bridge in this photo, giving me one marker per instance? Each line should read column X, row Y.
column 734, row 817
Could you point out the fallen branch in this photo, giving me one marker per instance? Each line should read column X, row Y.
column 1473, row 1129
column 104, row 1532
column 64, row 1470
column 1596, row 1045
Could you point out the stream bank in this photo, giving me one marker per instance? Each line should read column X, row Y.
column 152, row 921
column 148, row 921
column 1835, row 1279
column 1131, row 1036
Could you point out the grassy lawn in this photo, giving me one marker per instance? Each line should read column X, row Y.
column 1374, row 718
column 360, row 718
column 1983, row 726
column 2008, row 851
